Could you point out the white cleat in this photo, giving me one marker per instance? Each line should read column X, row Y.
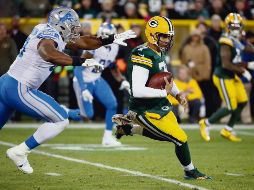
column 20, row 159
column 110, row 141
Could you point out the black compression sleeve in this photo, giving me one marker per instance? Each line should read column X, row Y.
column 108, row 40
column 77, row 61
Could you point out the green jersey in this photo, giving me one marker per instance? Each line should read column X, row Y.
column 154, row 62
column 235, row 58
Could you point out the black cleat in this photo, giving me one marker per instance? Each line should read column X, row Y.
column 195, row 174
column 122, row 130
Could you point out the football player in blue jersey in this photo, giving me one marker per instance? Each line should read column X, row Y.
column 42, row 51
column 88, row 83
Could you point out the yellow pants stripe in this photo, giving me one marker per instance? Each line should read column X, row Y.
column 225, row 93
column 153, row 129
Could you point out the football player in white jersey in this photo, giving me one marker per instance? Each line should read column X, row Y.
column 88, row 83
column 41, row 52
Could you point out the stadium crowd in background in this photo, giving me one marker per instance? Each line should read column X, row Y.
column 173, row 9
column 198, row 52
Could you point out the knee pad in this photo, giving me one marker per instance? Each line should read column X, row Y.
column 62, row 124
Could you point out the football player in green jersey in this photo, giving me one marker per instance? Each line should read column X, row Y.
column 227, row 81
column 150, row 112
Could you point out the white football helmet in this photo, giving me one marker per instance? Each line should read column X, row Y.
column 66, row 22
column 106, row 29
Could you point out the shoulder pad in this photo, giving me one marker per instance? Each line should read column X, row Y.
column 226, row 40
column 139, row 55
column 48, row 34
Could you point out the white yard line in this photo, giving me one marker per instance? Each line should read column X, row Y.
column 102, row 125
column 245, row 133
column 53, row 174
column 100, row 165
column 233, row 174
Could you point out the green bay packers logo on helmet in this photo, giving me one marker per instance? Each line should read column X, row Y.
column 153, row 23
column 158, row 28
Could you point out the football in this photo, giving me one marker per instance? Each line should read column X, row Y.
column 157, row 80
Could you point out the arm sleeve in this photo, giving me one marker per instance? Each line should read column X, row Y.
column 139, row 79
column 79, row 76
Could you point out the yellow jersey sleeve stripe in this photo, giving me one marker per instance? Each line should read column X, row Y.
column 227, row 41
column 140, row 62
column 143, row 58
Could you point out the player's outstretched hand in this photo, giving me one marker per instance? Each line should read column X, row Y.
column 125, row 85
column 181, row 98
column 93, row 63
column 247, row 75
column 119, row 38
column 87, row 96
column 250, row 65
column 168, row 86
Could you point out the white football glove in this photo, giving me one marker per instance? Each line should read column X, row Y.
column 247, row 75
column 238, row 44
column 93, row 63
column 119, row 38
column 125, row 85
column 87, row 96
column 251, row 65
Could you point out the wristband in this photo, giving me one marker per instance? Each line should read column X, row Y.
column 77, row 61
column 108, row 40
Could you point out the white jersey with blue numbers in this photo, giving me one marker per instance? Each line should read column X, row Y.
column 29, row 68
column 104, row 55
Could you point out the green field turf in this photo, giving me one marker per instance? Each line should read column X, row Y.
column 220, row 159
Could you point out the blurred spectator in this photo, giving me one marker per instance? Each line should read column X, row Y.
column 130, row 11
column 150, row 8
column 251, row 7
column 199, row 11
column 178, row 9
column 16, row 34
column 86, row 28
column 34, row 8
column 8, row 50
column 242, row 9
column 9, row 8
column 125, row 51
column 195, row 54
column 86, row 11
column 219, row 7
column 67, row 3
column 192, row 91
column 213, row 101
column 249, row 86
column 215, row 30
column 107, row 12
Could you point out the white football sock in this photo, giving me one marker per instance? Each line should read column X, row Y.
column 107, row 133
column 228, row 128
column 189, row 167
column 23, row 147
column 48, row 131
column 207, row 122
